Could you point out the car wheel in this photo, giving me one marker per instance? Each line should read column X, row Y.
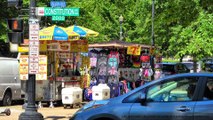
column 7, row 100
column 65, row 106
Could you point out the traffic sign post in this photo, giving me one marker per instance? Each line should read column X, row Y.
column 31, row 109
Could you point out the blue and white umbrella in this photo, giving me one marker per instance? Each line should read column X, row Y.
column 82, row 31
column 55, row 33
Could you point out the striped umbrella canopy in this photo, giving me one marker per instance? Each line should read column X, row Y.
column 55, row 33
column 82, row 31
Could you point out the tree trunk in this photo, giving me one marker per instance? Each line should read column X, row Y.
column 194, row 64
column 181, row 58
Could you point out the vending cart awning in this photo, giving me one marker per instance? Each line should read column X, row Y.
column 117, row 44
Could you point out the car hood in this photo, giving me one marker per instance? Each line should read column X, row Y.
column 94, row 103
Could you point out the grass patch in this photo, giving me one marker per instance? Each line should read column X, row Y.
column 170, row 60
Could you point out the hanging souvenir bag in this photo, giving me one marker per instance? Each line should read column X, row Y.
column 150, row 72
column 145, row 58
column 114, row 89
column 136, row 61
column 146, row 73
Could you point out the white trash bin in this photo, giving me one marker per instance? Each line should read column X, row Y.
column 71, row 96
column 100, row 92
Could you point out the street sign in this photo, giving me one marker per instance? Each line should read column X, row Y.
column 58, row 18
column 48, row 11
column 61, row 4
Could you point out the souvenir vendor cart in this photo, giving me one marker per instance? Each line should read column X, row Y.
column 59, row 63
column 116, row 62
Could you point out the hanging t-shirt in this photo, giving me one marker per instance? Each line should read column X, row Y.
column 113, row 60
column 102, row 65
column 128, row 61
column 122, row 54
column 103, row 52
column 113, row 71
column 93, row 54
column 93, row 61
column 93, row 72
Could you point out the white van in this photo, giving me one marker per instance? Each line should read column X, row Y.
column 10, row 85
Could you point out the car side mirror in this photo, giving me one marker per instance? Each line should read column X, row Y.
column 143, row 99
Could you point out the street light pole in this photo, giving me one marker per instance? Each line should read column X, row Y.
column 152, row 41
column 121, row 21
column 31, row 110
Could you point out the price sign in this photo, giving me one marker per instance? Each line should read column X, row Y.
column 134, row 50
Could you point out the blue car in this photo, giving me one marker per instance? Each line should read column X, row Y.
column 187, row 96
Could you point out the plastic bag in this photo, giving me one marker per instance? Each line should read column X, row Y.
column 150, row 72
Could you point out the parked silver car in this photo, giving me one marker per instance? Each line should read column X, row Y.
column 187, row 96
column 190, row 66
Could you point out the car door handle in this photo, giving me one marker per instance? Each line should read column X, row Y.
column 183, row 109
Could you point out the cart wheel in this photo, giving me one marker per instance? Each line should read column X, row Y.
column 65, row 106
column 7, row 112
column 72, row 106
column 80, row 105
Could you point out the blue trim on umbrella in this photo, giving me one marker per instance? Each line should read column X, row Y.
column 59, row 34
column 80, row 31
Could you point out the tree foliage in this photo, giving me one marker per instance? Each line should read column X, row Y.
column 181, row 27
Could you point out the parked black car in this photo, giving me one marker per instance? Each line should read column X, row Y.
column 208, row 64
column 173, row 68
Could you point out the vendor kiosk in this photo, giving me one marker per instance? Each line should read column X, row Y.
column 121, row 65
column 59, row 67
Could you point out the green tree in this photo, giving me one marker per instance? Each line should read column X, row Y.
column 195, row 38
column 181, row 27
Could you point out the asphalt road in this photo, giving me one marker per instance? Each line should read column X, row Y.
column 56, row 113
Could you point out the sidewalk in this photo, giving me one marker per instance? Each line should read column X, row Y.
column 56, row 113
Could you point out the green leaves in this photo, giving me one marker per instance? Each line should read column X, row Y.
column 196, row 39
column 180, row 27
